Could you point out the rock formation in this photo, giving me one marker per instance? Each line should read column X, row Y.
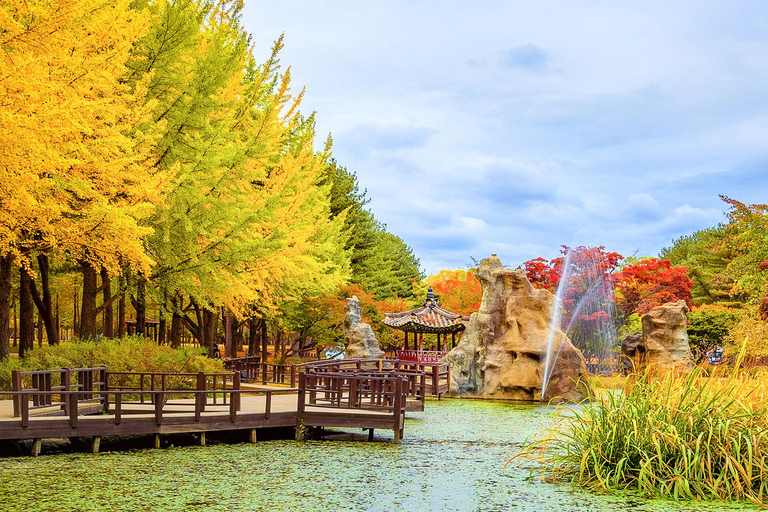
column 502, row 353
column 665, row 339
column 360, row 339
column 632, row 353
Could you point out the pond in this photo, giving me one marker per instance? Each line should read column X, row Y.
column 451, row 458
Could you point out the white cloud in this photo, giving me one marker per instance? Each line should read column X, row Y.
column 611, row 124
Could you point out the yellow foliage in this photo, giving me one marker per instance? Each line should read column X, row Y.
column 750, row 332
column 71, row 176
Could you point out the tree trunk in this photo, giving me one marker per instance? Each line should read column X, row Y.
column 237, row 336
column 278, row 346
column 176, row 326
column 264, row 341
column 228, row 352
column 44, row 304
column 57, row 320
column 121, row 316
column 75, row 315
column 88, row 304
column 6, row 264
column 210, row 329
column 140, row 305
column 26, row 314
column 162, row 327
column 108, row 324
column 15, row 325
column 175, row 330
column 199, row 333
column 252, row 336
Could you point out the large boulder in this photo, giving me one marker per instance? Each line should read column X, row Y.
column 665, row 339
column 360, row 338
column 502, row 353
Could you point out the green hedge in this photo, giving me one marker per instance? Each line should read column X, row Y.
column 132, row 354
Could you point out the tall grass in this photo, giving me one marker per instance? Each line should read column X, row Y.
column 695, row 436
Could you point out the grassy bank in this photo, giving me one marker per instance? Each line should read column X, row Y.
column 692, row 437
column 131, row 354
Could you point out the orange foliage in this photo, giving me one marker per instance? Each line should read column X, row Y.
column 458, row 291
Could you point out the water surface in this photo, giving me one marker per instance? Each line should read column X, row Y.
column 451, row 458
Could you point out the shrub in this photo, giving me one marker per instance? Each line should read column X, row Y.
column 691, row 436
column 753, row 331
column 708, row 326
column 131, row 354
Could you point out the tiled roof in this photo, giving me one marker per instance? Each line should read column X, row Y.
column 428, row 318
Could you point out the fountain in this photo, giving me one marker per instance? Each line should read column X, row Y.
column 554, row 325
column 585, row 283
column 503, row 352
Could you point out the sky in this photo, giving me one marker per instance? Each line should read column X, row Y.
column 513, row 128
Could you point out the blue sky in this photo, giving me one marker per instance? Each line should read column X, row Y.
column 516, row 127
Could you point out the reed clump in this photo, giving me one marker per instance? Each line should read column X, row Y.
column 695, row 436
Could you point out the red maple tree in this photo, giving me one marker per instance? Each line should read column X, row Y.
column 650, row 282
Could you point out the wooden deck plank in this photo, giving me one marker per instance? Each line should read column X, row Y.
column 178, row 417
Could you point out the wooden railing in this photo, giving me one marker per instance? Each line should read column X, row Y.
column 253, row 370
column 357, row 396
column 385, row 394
column 46, row 386
column 144, row 385
column 423, row 378
column 422, row 356
column 438, row 375
column 113, row 403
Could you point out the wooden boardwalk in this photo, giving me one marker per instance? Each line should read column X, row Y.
column 92, row 403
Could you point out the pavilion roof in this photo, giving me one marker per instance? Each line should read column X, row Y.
column 430, row 317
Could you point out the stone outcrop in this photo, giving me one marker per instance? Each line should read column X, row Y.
column 665, row 339
column 502, row 353
column 632, row 353
column 360, row 338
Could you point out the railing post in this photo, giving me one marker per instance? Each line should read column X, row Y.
column 436, row 380
column 201, row 397
column 72, row 397
column 300, row 403
column 268, row 405
column 66, row 383
column 235, row 398
column 24, row 412
column 16, row 386
column 293, row 376
column 398, row 408
column 313, row 389
column 158, row 398
column 36, row 386
column 353, row 392
column 118, row 408
column 105, row 389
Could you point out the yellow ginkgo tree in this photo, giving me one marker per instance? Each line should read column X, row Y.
column 73, row 173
